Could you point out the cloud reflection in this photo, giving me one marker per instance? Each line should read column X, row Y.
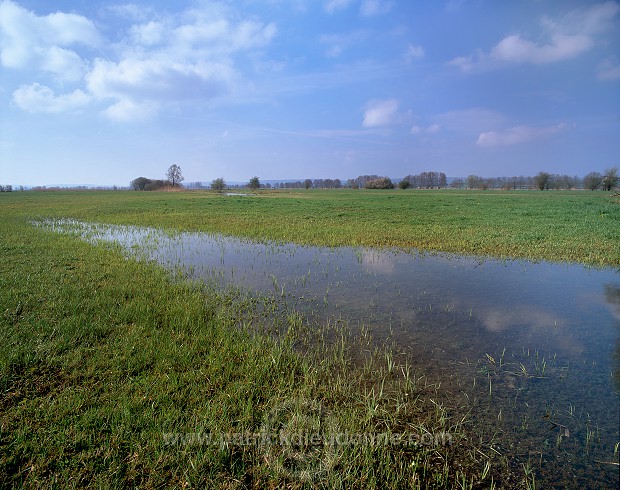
column 377, row 262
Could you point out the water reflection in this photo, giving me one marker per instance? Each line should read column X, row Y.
column 554, row 328
column 612, row 294
column 479, row 305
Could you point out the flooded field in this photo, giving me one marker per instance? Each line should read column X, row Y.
column 529, row 352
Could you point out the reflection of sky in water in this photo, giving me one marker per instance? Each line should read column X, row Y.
column 476, row 305
column 447, row 313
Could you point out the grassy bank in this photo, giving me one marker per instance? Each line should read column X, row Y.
column 559, row 226
column 112, row 375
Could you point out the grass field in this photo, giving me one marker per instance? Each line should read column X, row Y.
column 101, row 356
column 559, row 226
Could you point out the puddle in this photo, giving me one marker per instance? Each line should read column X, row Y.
column 533, row 347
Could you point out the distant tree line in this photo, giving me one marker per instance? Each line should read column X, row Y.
column 438, row 180
column 174, row 178
column 542, row 181
column 6, row 188
column 45, row 188
column 310, row 184
column 425, row 180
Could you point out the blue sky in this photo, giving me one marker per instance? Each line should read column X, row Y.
column 101, row 92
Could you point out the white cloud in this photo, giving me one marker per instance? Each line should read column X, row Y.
column 39, row 98
column 127, row 110
column 518, row 135
column 129, row 11
column 219, row 36
column 368, row 8
column 148, row 34
column 157, row 79
column 28, row 40
column 515, row 49
column 381, row 113
column 414, row 52
column 141, row 87
column 375, row 7
column 63, row 63
column 177, row 62
column 332, row 5
column 609, row 69
column 567, row 38
column 161, row 61
column 464, row 63
column 588, row 20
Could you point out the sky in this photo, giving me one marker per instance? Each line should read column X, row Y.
column 100, row 92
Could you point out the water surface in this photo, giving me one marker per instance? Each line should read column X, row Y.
column 534, row 347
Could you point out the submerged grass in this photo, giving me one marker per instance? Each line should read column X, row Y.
column 113, row 374
column 574, row 226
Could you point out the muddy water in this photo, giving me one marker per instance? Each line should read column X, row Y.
column 533, row 347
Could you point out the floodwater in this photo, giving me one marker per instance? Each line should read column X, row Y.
column 533, row 347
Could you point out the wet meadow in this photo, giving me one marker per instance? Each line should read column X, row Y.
column 334, row 339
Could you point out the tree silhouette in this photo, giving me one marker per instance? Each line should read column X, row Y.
column 610, row 179
column 218, row 184
column 174, row 175
column 254, row 183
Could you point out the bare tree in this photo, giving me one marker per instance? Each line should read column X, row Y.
column 592, row 181
column 174, row 175
column 457, row 184
column 610, row 179
column 443, row 180
column 543, row 181
column 476, row 182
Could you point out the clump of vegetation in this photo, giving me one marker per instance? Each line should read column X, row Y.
column 380, row 183
column 607, row 181
column 218, row 185
column 174, row 177
column 254, row 184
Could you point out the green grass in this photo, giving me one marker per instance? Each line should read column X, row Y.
column 100, row 356
column 558, row 226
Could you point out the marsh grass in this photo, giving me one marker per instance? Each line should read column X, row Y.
column 574, row 226
column 101, row 357
column 113, row 371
